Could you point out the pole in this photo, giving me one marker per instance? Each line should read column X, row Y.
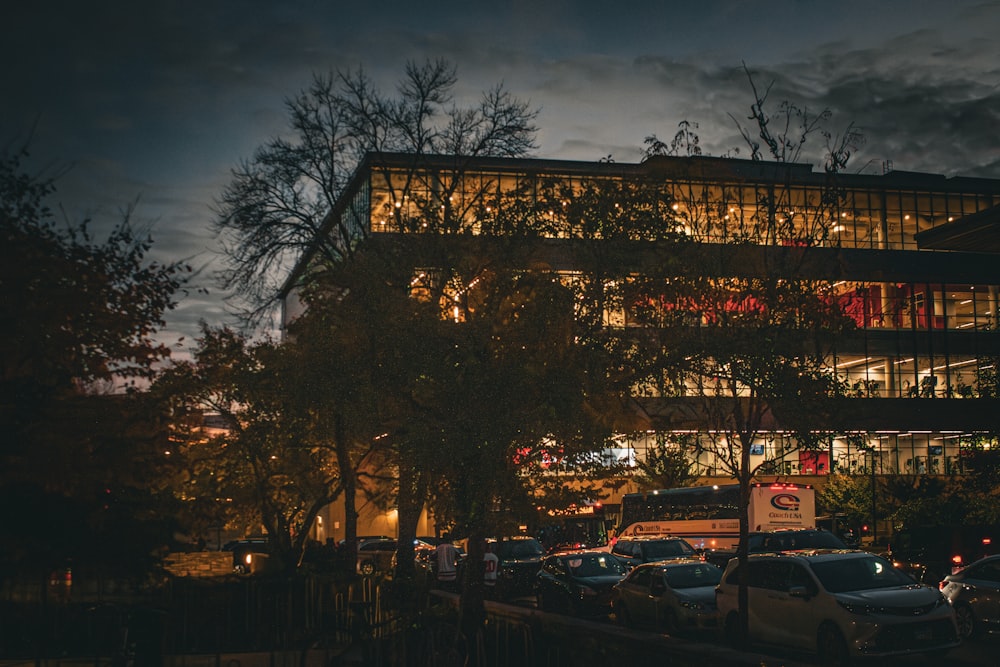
column 874, row 515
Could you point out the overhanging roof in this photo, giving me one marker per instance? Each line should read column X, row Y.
column 978, row 232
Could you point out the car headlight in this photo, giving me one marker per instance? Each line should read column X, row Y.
column 692, row 604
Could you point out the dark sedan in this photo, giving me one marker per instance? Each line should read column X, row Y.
column 519, row 557
column 974, row 592
column 578, row 582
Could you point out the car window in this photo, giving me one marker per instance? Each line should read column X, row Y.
column 859, row 574
column 593, row 565
column 692, row 576
column 988, row 571
column 518, row 549
column 668, row 549
column 791, row 540
column 624, row 548
column 641, row 577
column 775, row 575
column 554, row 566
column 799, row 576
column 770, row 574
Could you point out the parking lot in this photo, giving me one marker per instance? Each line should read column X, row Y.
column 979, row 652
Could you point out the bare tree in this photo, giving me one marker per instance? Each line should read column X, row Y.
column 785, row 134
column 275, row 210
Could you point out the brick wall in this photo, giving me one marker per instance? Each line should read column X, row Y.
column 199, row 564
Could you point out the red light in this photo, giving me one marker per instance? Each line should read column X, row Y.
column 987, row 541
column 957, row 559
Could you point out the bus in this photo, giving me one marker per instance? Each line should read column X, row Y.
column 577, row 527
column 708, row 516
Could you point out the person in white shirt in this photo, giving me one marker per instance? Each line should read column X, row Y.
column 491, row 566
column 447, row 572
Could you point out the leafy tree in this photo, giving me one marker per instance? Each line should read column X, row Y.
column 78, row 318
column 276, row 211
column 273, row 465
column 746, row 338
column 667, row 465
column 849, row 496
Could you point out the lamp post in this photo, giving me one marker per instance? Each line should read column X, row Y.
column 874, row 516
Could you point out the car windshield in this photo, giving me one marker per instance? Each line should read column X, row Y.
column 668, row 549
column 692, row 576
column 517, row 549
column 859, row 574
column 594, row 565
column 817, row 539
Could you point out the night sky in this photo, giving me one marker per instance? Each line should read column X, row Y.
column 156, row 101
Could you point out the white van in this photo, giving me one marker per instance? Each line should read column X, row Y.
column 840, row 604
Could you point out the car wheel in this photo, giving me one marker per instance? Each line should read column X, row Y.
column 831, row 647
column 733, row 631
column 966, row 621
column 368, row 568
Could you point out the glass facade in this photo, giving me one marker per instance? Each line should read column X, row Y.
column 925, row 322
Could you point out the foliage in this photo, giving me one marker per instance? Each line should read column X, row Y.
column 849, row 496
column 667, row 465
column 266, row 467
column 911, row 502
column 78, row 317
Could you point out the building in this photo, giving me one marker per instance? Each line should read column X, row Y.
column 911, row 258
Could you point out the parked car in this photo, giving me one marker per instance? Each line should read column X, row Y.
column 362, row 539
column 244, row 551
column 780, row 540
column 424, row 558
column 578, row 582
column 376, row 556
column 520, row 558
column 930, row 553
column 838, row 604
column 674, row 596
column 637, row 550
column 974, row 593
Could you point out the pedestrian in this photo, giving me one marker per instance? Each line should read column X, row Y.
column 491, row 567
column 446, row 555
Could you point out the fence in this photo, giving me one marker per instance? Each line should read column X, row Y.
column 315, row 621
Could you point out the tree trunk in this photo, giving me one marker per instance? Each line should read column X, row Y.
column 472, row 607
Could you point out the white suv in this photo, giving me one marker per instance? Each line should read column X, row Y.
column 840, row 604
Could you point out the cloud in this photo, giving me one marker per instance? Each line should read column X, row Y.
column 155, row 103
